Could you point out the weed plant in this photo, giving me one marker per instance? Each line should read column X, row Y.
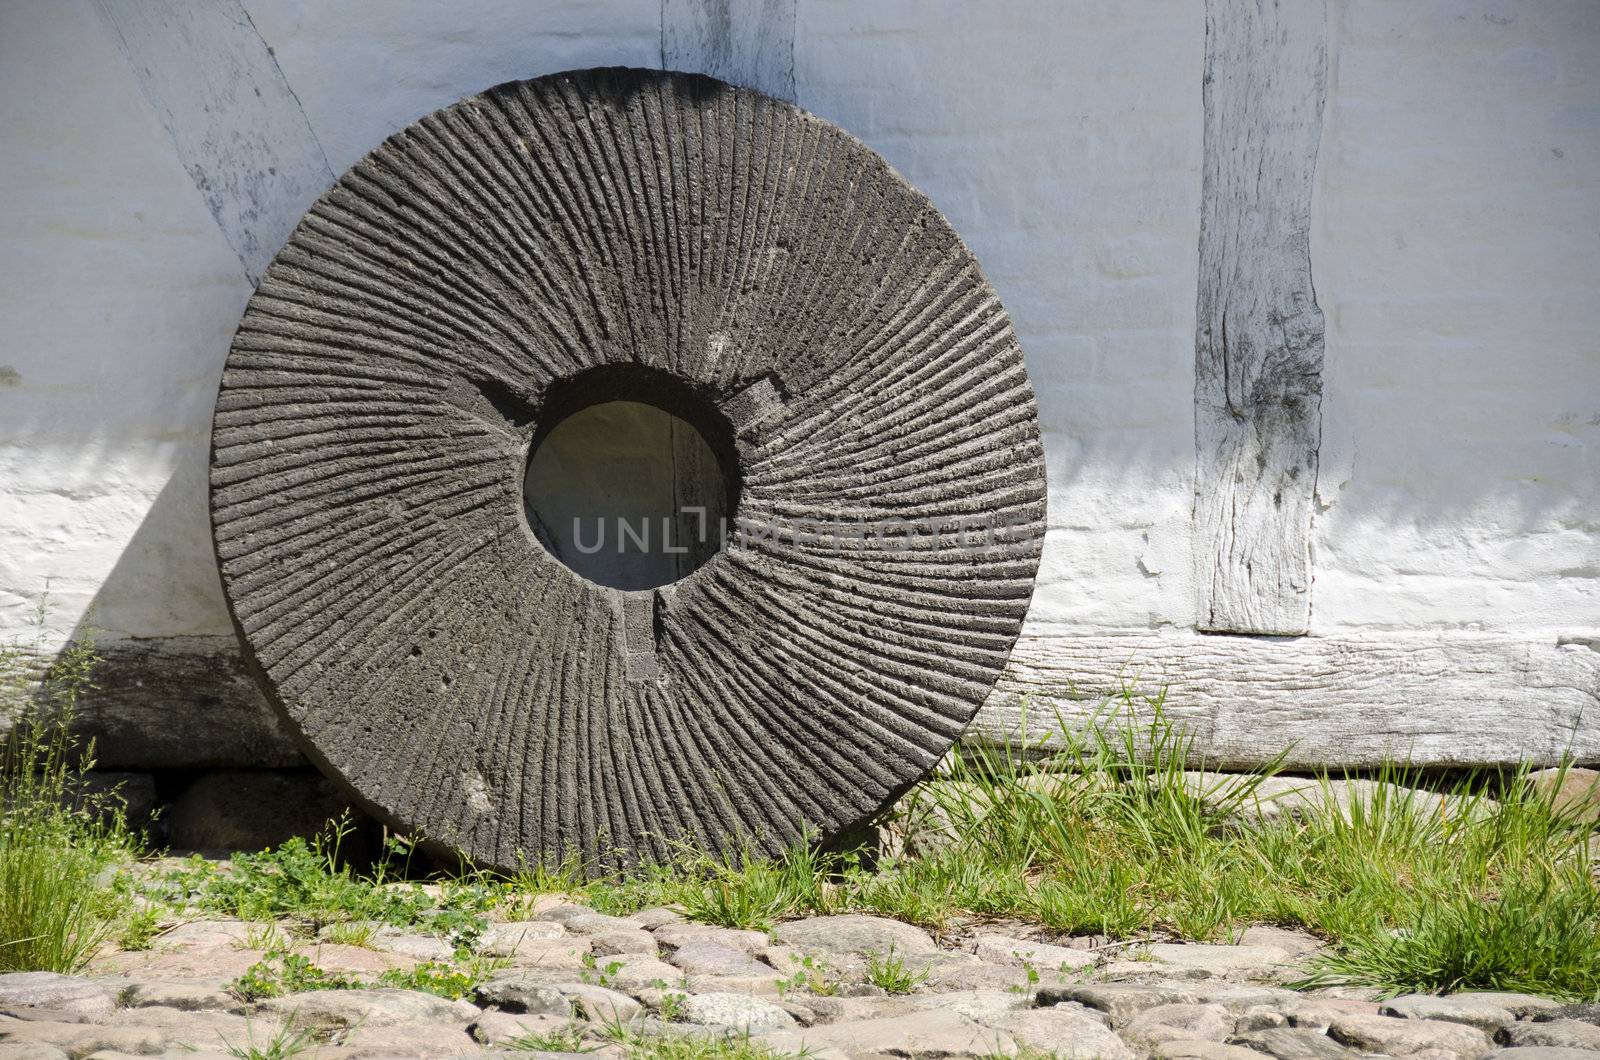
column 1115, row 829
column 58, row 838
column 1111, row 828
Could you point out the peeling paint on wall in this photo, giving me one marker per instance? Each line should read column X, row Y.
column 234, row 119
column 750, row 42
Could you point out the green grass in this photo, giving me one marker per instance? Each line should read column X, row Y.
column 568, row 1039
column 889, row 973
column 308, row 885
column 285, row 1044
column 56, row 839
column 1483, row 885
column 690, row 1046
column 1102, row 834
column 282, row 971
column 352, row 933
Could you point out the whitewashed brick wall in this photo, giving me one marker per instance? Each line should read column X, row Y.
column 1455, row 248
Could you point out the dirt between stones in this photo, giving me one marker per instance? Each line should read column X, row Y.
column 560, row 984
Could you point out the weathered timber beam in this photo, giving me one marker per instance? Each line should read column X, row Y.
column 236, row 124
column 1259, row 333
column 1438, row 700
column 749, row 42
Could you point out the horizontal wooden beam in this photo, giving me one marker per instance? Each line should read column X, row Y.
column 1448, row 699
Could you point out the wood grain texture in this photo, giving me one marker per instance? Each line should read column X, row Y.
column 1456, row 699
column 743, row 42
column 237, row 125
column 1259, row 339
column 699, row 499
column 1337, row 702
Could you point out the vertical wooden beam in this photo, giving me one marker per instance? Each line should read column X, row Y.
column 746, row 42
column 698, row 499
column 1259, row 333
column 237, row 126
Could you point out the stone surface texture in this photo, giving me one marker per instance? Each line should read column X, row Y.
column 63, row 996
column 1573, row 790
column 741, row 1013
column 526, row 253
column 855, row 935
column 1451, row 507
column 1165, row 1000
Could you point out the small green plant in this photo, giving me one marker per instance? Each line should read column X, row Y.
column 139, row 929
column 265, row 936
column 671, row 1008
column 567, row 1039
column 281, row 972
column 669, row 1005
column 889, row 972
column 597, row 973
column 1068, row 974
column 1031, row 977
column 433, row 977
column 640, row 1046
column 808, row 976
column 352, row 933
column 57, row 837
column 285, row 1044
column 308, row 886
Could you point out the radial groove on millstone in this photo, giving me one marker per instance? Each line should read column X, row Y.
column 414, row 337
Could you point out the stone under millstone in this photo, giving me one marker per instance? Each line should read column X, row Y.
column 610, row 235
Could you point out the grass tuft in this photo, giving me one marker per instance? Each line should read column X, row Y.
column 57, row 837
column 638, row 1046
column 888, row 972
column 285, row 1044
column 1111, row 828
column 567, row 1039
column 1116, row 829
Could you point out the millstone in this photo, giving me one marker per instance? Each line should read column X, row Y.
column 666, row 239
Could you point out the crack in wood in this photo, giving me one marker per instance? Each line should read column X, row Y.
column 1259, row 338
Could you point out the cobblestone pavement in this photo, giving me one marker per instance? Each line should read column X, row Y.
column 569, row 979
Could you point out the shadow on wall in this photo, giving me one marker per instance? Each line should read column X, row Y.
column 174, row 701
column 1115, row 387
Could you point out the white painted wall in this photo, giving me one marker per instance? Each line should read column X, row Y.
column 1064, row 145
column 1456, row 255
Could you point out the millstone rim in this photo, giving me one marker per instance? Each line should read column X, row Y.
column 389, row 376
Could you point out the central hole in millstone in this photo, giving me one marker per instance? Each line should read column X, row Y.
column 626, row 493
